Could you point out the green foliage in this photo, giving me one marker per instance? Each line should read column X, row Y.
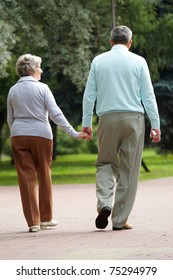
column 68, row 34
column 67, row 145
column 164, row 94
column 7, row 41
column 152, row 33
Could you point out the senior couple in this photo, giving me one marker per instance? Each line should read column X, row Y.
column 119, row 84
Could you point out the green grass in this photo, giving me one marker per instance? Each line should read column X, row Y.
column 160, row 166
column 78, row 168
column 74, row 169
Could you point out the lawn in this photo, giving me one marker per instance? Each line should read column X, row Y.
column 80, row 168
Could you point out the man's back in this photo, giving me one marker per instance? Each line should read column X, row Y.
column 119, row 79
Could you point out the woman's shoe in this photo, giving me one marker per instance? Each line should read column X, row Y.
column 34, row 228
column 47, row 225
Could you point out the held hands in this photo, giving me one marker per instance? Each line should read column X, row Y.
column 89, row 131
column 155, row 135
column 86, row 133
column 83, row 135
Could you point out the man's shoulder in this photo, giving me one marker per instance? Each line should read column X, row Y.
column 108, row 52
column 102, row 55
column 136, row 56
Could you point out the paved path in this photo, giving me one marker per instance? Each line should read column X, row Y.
column 76, row 237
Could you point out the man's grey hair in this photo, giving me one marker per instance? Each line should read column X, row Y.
column 121, row 35
column 27, row 63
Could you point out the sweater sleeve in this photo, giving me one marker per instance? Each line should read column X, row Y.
column 148, row 97
column 89, row 98
column 61, row 121
column 10, row 113
column 57, row 116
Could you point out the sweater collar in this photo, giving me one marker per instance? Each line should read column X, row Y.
column 27, row 78
column 119, row 47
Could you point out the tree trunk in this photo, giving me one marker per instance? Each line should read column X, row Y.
column 54, row 131
column 144, row 166
column 2, row 121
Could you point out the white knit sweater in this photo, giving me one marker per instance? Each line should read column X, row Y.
column 30, row 103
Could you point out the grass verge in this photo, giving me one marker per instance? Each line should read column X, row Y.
column 80, row 168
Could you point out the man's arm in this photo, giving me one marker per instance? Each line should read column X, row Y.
column 89, row 99
column 150, row 104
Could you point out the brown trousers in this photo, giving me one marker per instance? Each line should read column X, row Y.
column 33, row 159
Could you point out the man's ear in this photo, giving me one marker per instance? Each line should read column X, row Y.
column 111, row 42
column 129, row 44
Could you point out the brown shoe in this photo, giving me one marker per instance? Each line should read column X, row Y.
column 126, row 226
column 101, row 221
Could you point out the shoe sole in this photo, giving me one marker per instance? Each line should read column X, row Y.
column 123, row 228
column 47, row 227
column 34, row 229
column 102, row 219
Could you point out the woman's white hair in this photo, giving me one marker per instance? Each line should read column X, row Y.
column 26, row 64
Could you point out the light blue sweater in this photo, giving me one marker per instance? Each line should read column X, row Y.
column 119, row 81
column 29, row 104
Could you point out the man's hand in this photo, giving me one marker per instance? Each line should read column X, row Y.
column 155, row 135
column 83, row 135
column 89, row 131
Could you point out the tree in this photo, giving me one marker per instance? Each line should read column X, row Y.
column 62, row 40
column 7, row 42
column 164, row 86
column 164, row 94
column 68, row 34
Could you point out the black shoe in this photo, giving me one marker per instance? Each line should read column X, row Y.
column 102, row 219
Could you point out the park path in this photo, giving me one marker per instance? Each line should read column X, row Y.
column 76, row 237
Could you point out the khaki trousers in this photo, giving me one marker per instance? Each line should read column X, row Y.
column 33, row 158
column 120, row 144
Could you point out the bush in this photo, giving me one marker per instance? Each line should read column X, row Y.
column 69, row 145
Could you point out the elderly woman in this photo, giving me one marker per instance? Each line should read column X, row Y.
column 29, row 104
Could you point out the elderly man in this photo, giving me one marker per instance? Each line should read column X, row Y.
column 119, row 83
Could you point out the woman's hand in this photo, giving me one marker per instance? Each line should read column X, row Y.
column 83, row 135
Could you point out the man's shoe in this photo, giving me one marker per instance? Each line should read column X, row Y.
column 126, row 226
column 102, row 219
column 47, row 225
column 34, row 228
